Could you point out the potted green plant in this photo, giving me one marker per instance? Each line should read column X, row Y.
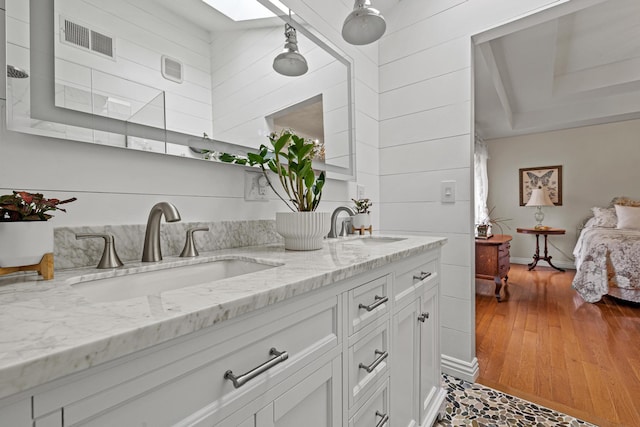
column 25, row 233
column 289, row 157
column 485, row 228
column 362, row 218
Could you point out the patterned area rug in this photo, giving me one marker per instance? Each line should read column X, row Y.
column 475, row 405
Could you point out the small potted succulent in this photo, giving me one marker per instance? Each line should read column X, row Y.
column 25, row 233
column 290, row 158
column 484, row 229
column 362, row 218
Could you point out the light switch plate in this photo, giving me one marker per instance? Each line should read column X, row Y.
column 360, row 192
column 448, row 192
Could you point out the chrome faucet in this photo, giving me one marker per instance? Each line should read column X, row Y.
column 151, row 250
column 334, row 220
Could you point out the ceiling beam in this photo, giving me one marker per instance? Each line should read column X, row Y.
column 486, row 51
column 624, row 106
column 547, row 13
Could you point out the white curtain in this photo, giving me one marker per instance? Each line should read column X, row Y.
column 481, row 180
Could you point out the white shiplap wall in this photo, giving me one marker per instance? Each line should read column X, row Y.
column 117, row 186
column 142, row 35
column 246, row 89
column 425, row 138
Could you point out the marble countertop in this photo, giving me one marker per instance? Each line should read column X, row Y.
column 48, row 329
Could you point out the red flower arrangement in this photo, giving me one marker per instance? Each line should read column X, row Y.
column 24, row 206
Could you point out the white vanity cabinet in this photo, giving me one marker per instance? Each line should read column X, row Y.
column 184, row 383
column 416, row 394
column 15, row 412
column 308, row 398
column 363, row 351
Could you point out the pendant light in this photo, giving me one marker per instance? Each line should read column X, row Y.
column 290, row 62
column 364, row 24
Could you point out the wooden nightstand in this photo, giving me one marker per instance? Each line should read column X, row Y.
column 492, row 260
column 545, row 232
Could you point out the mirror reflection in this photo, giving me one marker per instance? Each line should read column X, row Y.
column 174, row 77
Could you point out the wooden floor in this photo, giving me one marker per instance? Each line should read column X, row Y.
column 543, row 343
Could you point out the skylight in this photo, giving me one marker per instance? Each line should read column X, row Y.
column 244, row 10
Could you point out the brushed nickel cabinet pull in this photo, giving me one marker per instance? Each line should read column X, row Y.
column 372, row 306
column 381, row 356
column 384, row 419
column 240, row 380
column 423, row 317
column 423, row 275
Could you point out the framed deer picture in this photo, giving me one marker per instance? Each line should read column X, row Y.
column 547, row 177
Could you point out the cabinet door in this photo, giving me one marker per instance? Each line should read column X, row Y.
column 405, row 354
column 313, row 402
column 16, row 414
column 431, row 392
column 52, row 420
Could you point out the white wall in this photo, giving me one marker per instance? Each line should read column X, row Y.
column 598, row 163
column 141, row 36
column 425, row 138
column 118, row 186
column 246, row 89
column 327, row 18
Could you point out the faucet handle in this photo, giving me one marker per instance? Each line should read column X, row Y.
column 109, row 258
column 347, row 227
column 189, row 249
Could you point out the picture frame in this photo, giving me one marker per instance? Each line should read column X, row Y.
column 548, row 177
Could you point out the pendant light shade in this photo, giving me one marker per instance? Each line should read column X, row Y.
column 364, row 24
column 290, row 62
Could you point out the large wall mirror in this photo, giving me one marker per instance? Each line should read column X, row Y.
column 179, row 78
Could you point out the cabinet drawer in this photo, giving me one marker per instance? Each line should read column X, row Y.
column 171, row 392
column 375, row 411
column 368, row 362
column 503, row 249
column 418, row 272
column 368, row 302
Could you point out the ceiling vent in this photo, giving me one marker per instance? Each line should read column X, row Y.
column 83, row 37
column 171, row 69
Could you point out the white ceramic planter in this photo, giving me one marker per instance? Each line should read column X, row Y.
column 303, row 231
column 361, row 220
column 24, row 242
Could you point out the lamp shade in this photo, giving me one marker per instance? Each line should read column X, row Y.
column 364, row 24
column 539, row 197
column 290, row 62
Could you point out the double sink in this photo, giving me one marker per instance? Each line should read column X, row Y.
column 132, row 283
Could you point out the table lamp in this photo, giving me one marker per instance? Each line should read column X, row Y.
column 539, row 198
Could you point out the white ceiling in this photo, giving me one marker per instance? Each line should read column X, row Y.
column 579, row 69
column 210, row 19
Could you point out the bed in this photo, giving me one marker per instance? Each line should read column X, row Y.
column 607, row 253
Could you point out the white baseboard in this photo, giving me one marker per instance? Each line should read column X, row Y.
column 468, row 371
column 561, row 264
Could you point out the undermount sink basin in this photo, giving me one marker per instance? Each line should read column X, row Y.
column 372, row 241
column 156, row 281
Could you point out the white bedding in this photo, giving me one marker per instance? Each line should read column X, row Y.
column 607, row 262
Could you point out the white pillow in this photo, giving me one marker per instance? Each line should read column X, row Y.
column 604, row 217
column 628, row 217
